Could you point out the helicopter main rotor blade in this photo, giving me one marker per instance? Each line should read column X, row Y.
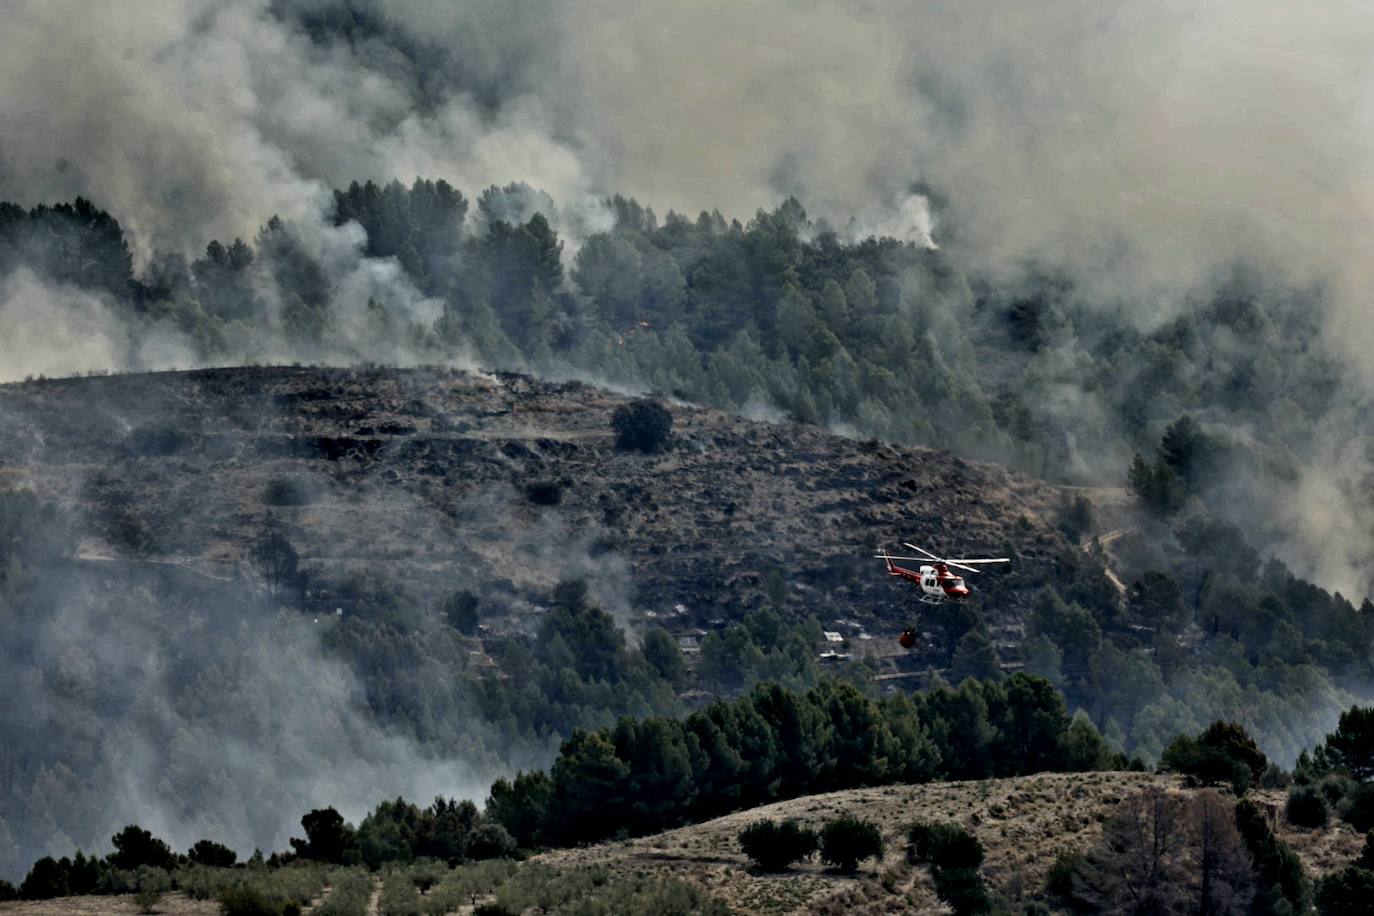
column 975, row 562
column 928, row 554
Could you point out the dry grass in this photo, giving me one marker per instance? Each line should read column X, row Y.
column 1322, row 850
column 1023, row 823
column 121, row 905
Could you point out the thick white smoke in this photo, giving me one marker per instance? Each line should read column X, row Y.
column 57, row 330
column 1142, row 145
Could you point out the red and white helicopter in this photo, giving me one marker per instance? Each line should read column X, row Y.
column 933, row 577
column 937, row 583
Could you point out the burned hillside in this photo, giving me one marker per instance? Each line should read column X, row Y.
column 437, row 480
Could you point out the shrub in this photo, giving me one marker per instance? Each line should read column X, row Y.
column 1358, row 809
column 492, row 908
column 212, row 854
column 490, row 840
column 135, row 846
column 462, row 610
column 1306, row 807
column 847, row 840
column 945, row 846
column 1275, row 777
column 150, row 883
column 544, row 492
column 1346, row 892
column 1074, row 518
column 963, row 889
column 1222, row 754
column 773, row 846
column 954, row 855
column 46, row 879
column 1366, row 857
column 1335, row 787
column 642, row 425
column 255, row 900
column 1059, row 879
column 284, row 491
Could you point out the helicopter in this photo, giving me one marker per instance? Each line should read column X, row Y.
column 933, row 577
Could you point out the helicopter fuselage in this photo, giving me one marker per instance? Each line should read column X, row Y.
column 936, row 582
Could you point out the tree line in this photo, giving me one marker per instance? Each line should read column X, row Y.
column 642, row 776
column 645, row 775
column 1159, row 852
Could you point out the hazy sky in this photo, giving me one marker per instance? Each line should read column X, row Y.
column 1152, row 141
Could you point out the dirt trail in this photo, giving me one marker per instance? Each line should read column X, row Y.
column 375, row 898
column 1105, row 540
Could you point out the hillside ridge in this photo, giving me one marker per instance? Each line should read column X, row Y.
column 430, row 471
column 1023, row 822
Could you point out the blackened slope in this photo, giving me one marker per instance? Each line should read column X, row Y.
column 421, row 476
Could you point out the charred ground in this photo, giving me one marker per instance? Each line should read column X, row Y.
column 502, row 484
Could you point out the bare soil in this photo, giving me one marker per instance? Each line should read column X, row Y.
column 121, row 905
